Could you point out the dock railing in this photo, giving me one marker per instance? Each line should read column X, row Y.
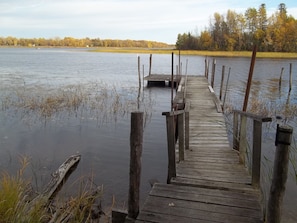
column 177, row 125
column 240, row 141
column 272, row 207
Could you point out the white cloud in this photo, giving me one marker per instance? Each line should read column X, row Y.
column 159, row 20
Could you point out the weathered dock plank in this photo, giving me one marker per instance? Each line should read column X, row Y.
column 183, row 204
column 210, row 184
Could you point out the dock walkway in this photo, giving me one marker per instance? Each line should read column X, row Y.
column 211, row 185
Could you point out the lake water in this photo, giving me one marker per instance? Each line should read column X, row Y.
column 99, row 129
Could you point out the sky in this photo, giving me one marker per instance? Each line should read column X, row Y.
column 156, row 20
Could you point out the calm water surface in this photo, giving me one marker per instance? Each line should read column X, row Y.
column 104, row 145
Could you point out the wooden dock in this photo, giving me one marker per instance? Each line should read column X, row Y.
column 210, row 184
column 161, row 79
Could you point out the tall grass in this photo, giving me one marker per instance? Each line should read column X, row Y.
column 16, row 195
column 92, row 101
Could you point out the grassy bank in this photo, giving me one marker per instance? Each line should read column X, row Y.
column 196, row 52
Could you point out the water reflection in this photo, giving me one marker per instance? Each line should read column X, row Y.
column 102, row 138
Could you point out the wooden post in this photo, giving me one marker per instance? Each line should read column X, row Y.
column 227, row 83
column 213, row 72
column 249, row 82
column 172, row 67
column 280, row 173
column 222, row 82
column 290, row 87
column 280, row 78
column 205, row 67
column 119, row 216
column 257, row 148
column 242, row 139
column 181, row 136
column 142, row 76
column 235, row 131
column 179, row 68
column 186, row 72
column 136, row 139
column 139, row 75
column 150, row 67
column 171, row 147
column 187, row 126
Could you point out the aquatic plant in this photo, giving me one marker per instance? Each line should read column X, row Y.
column 14, row 194
column 93, row 101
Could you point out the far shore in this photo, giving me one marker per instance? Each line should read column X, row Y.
column 281, row 55
column 273, row 55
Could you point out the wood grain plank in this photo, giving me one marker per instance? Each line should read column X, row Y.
column 199, row 210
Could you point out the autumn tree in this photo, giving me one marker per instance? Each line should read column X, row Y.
column 205, row 41
column 186, row 41
column 233, row 31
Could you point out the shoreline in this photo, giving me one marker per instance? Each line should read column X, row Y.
column 272, row 55
column 205, row 53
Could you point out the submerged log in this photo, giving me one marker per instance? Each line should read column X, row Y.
column 59, row 178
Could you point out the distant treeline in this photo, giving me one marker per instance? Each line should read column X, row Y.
column 236, row 32
column 72, row 42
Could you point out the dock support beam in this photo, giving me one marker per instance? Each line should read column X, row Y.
column 136, row 139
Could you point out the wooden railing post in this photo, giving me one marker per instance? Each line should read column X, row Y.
column 235, row 131
column 213, row 72
column 187, row 126
column 205, row 67
column 222, row 82
column 171, row 147
column 242, row 140
column 150, row 65
column 181, row 136
column 280, row 173
column 172, row 83
column 136, row 139
column 257, row 147
column 290, row 80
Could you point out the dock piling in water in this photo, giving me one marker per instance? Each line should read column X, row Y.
column 291, row 79
column 150, row 66
column 249, row 82
column 136, row 140
column 222, row 82
column 213, row 72
column 280, row 173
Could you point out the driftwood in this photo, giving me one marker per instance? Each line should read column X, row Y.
column 59, row 177
column 65, row 213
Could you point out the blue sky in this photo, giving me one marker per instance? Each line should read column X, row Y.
column 158, row 20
